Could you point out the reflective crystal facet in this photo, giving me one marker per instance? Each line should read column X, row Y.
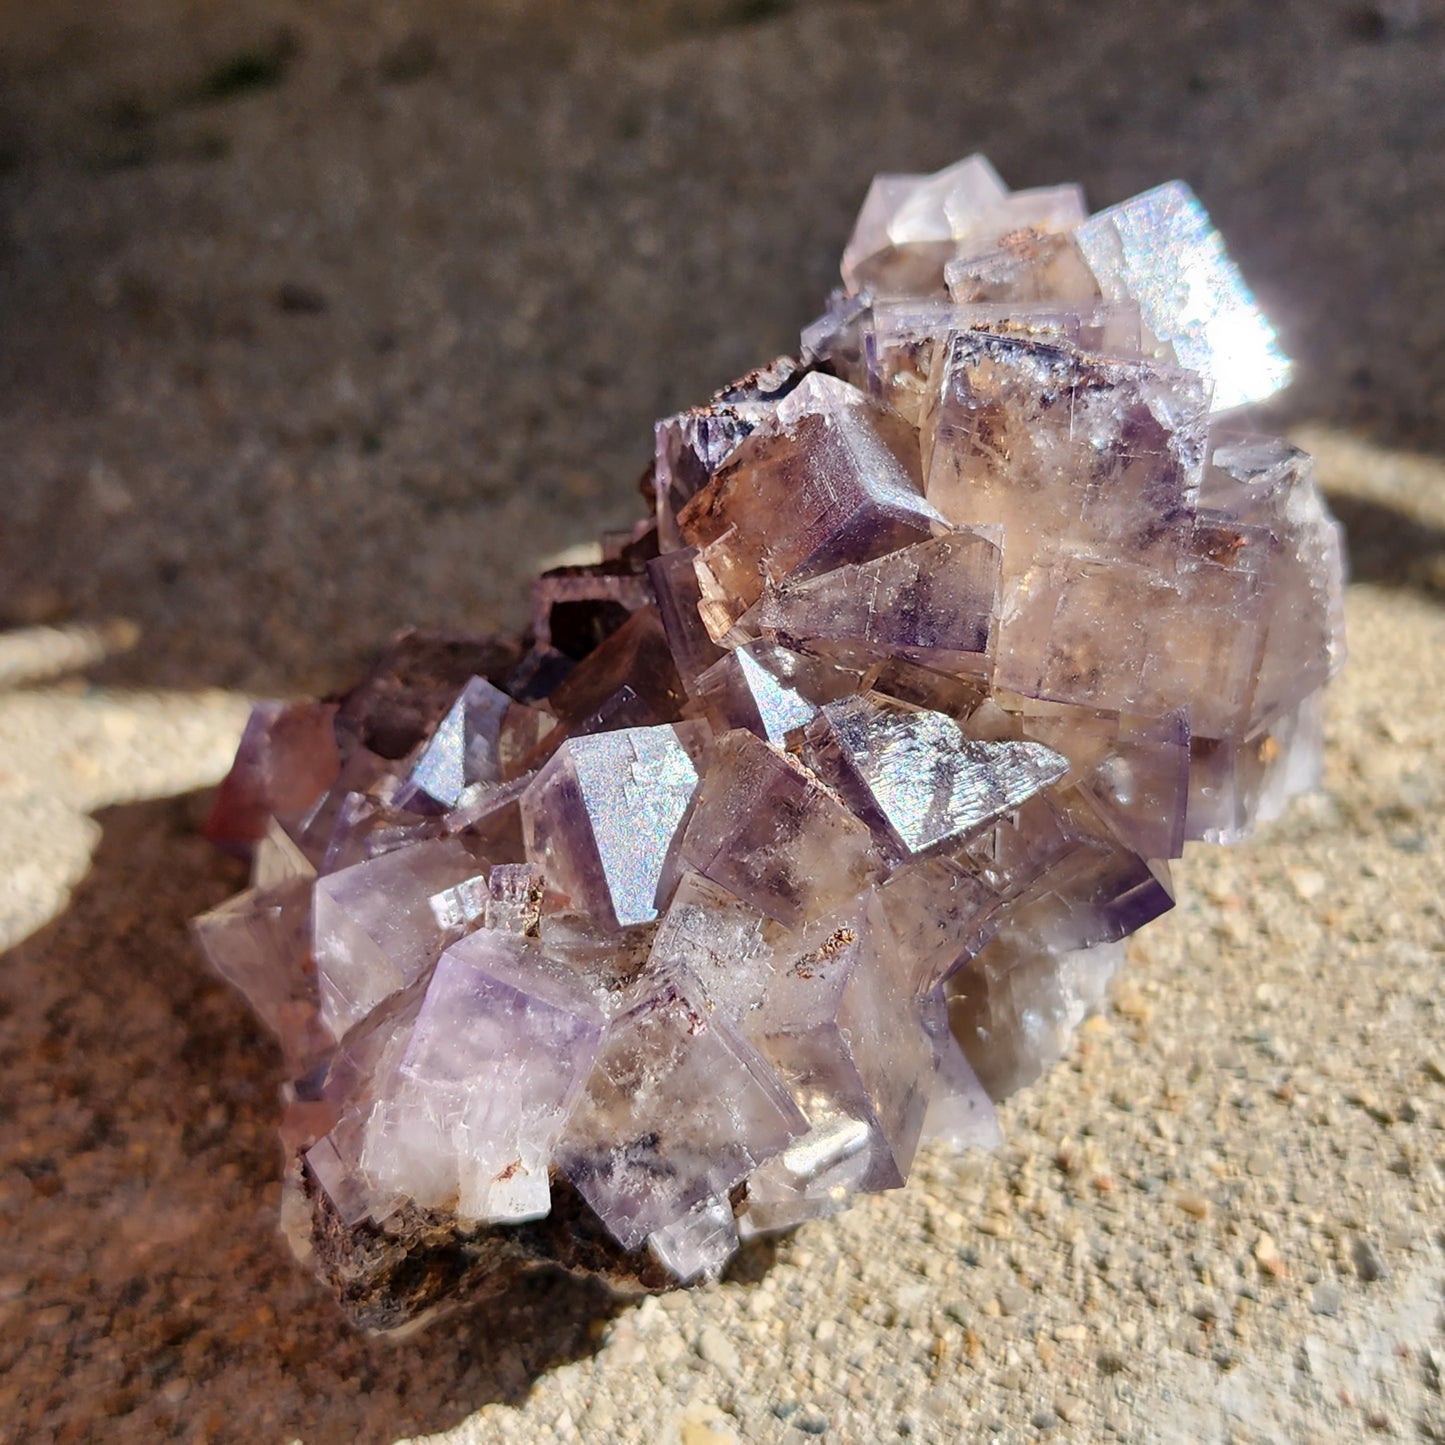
column 601, row 817
column 464, row 749
column 1161, row 251
column 919, row 777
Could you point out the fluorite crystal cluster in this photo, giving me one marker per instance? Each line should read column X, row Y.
column 809, row 819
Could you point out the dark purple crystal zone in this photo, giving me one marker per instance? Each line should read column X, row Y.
column 810, row 818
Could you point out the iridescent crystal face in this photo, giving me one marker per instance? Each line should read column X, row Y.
column 811, row 818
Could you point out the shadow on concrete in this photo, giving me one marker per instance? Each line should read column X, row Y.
column 1389, row 547
column 148, row 1294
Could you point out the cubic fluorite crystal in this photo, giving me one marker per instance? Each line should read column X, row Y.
column 809, row 820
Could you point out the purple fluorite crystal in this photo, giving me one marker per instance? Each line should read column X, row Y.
column 811, row 818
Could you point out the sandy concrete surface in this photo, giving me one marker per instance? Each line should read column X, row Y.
column 317, row 320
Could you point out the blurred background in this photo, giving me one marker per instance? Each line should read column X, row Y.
column 322, row 318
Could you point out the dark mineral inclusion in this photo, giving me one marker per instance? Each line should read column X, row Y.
column 809, row 819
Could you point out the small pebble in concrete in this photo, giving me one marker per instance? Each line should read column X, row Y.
column 718, row 1350
column 1013, row 1301
column 1369, row 1262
